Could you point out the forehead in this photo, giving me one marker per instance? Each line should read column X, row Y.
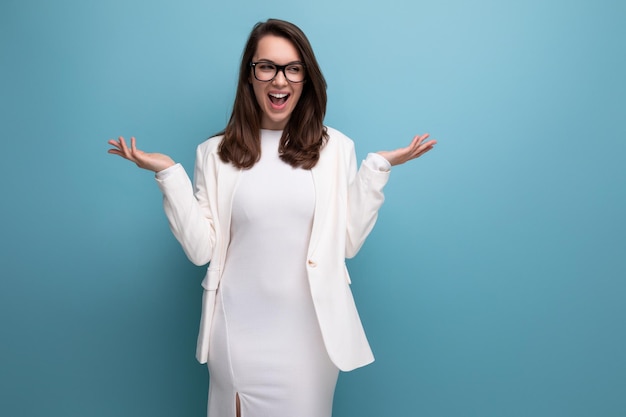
column 276, row 49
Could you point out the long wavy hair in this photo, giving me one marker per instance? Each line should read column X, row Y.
column 304, row 134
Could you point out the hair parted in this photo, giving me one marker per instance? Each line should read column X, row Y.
column 304, row 135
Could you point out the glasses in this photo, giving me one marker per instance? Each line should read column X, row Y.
column 266, row 71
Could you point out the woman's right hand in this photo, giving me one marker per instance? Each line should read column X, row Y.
column 151, row 161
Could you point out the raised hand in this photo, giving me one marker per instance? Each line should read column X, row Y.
column 418, row 147
column 151, row 161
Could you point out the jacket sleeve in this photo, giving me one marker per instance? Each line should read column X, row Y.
column 365, row 197
column 188, row 210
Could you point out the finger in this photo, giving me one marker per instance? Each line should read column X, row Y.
column 430, row 144
column 421, row 149
column 126, row 151
column 417, row 142
column 122, row 143
column 113, row 142
column 119, row 153
column 138, row 155
column 125, row 148
column 424, row 149
column 427, row 145
column 422, row 138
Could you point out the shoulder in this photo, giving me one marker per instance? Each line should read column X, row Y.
column 336, row 139
column 210, row 146
column 338, row 150
column 207, row 154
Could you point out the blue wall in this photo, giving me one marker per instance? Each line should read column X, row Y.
column 493, row 285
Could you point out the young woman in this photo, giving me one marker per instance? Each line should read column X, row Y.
column 276, row 208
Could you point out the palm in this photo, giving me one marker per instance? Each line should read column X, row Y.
column 151, row 161
column 418, row 147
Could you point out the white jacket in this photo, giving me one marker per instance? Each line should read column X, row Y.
column 346, row 208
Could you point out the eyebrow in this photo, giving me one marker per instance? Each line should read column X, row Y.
column 269, row 61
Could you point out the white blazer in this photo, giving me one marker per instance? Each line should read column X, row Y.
column 346, row 208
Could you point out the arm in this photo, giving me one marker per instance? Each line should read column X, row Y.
column 188, row 214
column 365, row 190
column 365, row 197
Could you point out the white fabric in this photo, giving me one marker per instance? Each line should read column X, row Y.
column 346, row 208
column 375, row 161
column 266, row 345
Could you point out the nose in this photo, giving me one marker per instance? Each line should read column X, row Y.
column 280, row 78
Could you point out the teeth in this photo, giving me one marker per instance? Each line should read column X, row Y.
column 278, row 95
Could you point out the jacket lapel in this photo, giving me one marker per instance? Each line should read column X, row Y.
column 227, row 180
column 322, row 180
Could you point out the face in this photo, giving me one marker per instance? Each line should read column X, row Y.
column 277, row 98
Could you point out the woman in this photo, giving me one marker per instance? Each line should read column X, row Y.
column 276, row 207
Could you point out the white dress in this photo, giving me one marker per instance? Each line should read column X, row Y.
column 266, row 345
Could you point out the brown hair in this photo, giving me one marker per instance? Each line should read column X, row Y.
column 304, row 135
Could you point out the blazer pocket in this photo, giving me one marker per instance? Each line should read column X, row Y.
column 211, row 280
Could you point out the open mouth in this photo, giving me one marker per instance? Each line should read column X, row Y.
column 278, row 99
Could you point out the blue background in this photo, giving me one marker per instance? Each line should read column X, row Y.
column 494, row 282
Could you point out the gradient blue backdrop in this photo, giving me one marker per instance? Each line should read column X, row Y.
column 494, row 282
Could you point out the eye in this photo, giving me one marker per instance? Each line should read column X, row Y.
column 294, row 69
column 266, row 67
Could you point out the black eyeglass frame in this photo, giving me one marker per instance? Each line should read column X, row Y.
column 278, row 68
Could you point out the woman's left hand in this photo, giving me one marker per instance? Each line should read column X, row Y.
column 418, row 147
